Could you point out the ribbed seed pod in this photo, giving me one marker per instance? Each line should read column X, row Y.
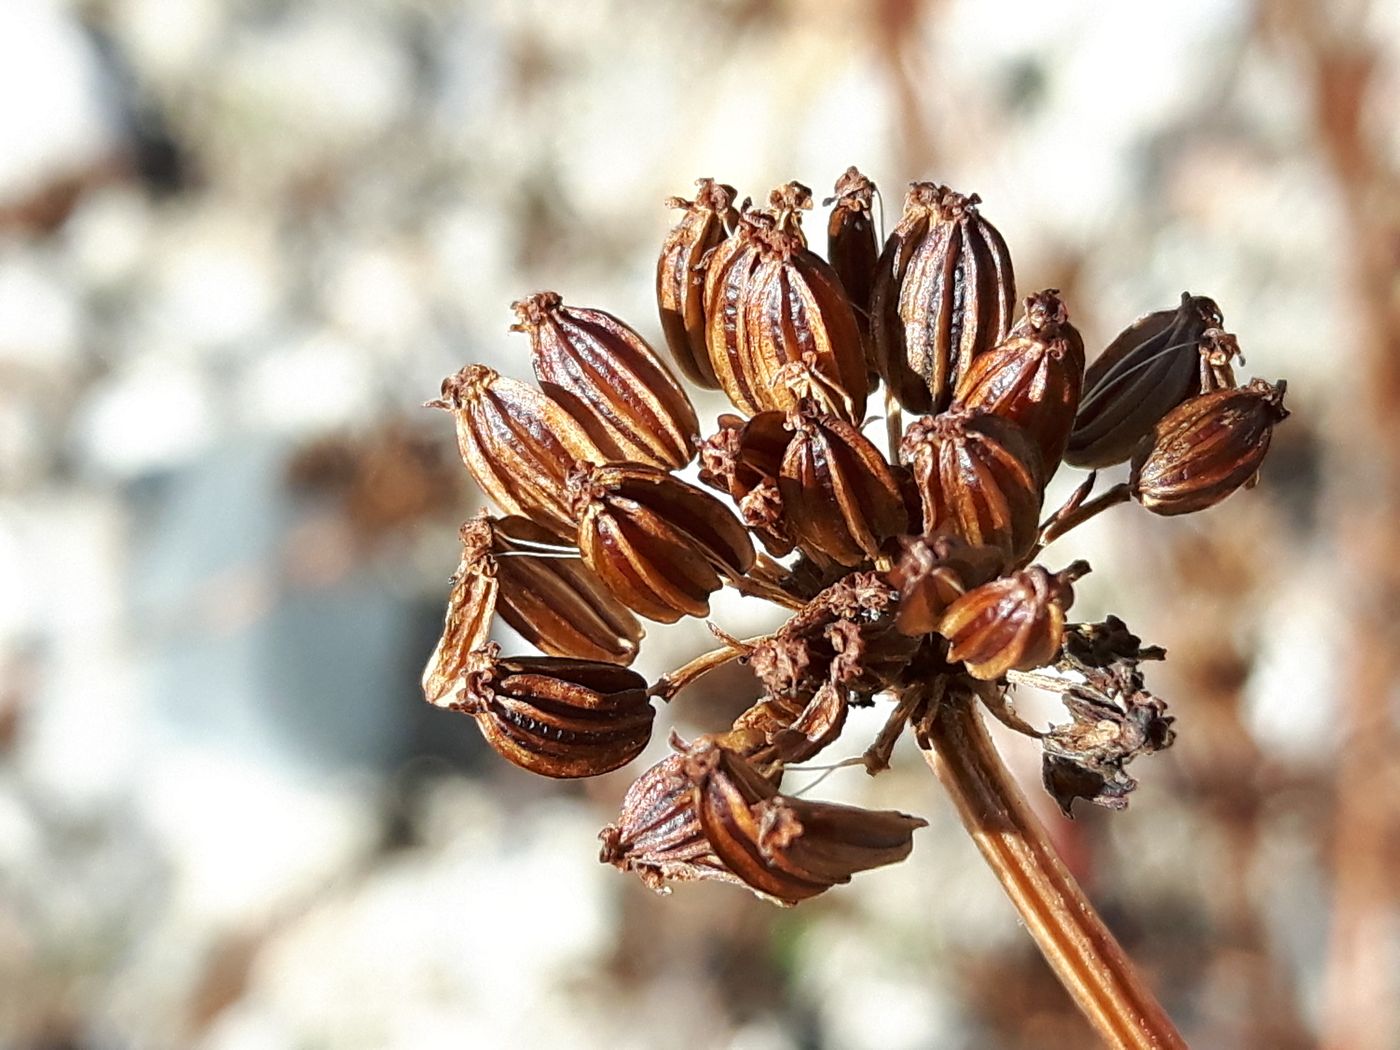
column 944, row 292
column 1207, row 448
column 742, row 459
column 518, row 444
column 613, row 384
column 935, row 571
column 785, row 848
column 1014, row 623
column 680, row 275
column 728, row 272
column 662, row 547
column 779, row 729
column 1033, row 377
column 841, row 500
column 1154, row 365
column 853, row 245
column 556, row 602
column 470, row 607
column 557, row 717
column 979, row 477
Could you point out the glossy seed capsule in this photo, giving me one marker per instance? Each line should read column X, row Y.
column 1013, row 623
column 680, row 275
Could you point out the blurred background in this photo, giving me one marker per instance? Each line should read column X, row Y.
column 242, row 240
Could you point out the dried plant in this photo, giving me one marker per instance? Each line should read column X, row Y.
column 910, row 579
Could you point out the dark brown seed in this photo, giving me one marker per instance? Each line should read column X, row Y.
column 558, row 717
column 554, row 601
column 853, row 246
column 518, row 444
column 944, row 292
column 787, row 849
column 1154, row 365
column 743, row 459
column 662, row 547
column 935, row 571
column 1033, row 377
column 680, row 275
column 978, row 476
column 470, row 607
column 841, row 500
column 1015, row 623
column 613, row 384
column 1207, row 448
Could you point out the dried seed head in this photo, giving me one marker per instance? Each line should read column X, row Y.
column 557, row 717
column 613, row 384
column 1206, row 448
column 1014, row 623
column 787, row 849
column 470, row 606
column 680, row 275
column 935, row 571
column 554, row 601
column 944, row 293
column 518, row 444
column 841, row 500
column 853, row 245
column 1033, row 377
column 978, row 476
column 742, row 459
column 662, row 547
column 1154, row 365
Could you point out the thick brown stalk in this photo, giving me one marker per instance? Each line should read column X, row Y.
column 1086, row 958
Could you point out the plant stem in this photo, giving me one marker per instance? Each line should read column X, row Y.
column 1086, row 958
column 668, row 685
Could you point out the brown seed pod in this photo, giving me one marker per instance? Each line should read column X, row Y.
column 781, row 728
column 470, row 607
column 1206, row 448
column 518, row 444
column 841, row 500
column 554, row 601
column 944, row 293
column 662, row 547
column 743, row 459
column 605, row 375
column 680, row 275
column 935, row 571
column 978, row 476
column 853, row 246
column 557, row 717
column 1033, row 377
column 787, row 849
column 1014, row 623
column 1154, row 365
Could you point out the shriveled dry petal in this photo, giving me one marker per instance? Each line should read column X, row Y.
column 518, row 444
column 612, row 383
column 1014, row 623
column 558, row 717
column 944, row 293
column 680, row 275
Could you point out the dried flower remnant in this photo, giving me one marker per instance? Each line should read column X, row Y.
column 610, row 381
column 909, row 584
column 680, row 275
column 944, row 293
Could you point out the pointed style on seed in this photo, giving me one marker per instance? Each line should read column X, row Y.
column 606, row 376
column 841, row 500
column 935, row 571
column 1154, row 365
column 1206, row 448
column 853, row 246
column 556, row 602
column 944, row 293
column 787, row 849
column 518, row 444
column 978, row 476
column 1014, row 623
column 557, row 717
column 771, row 303
column 743, row 459
column 680, row 275
column 661, row 546
column 470, row 606
column 1033, row 377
